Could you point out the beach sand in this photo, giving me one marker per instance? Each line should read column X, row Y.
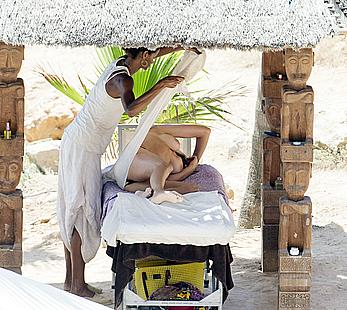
column 229, row 152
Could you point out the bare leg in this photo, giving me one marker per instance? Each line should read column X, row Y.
column 178, row 186
column 147, row 165
column 137, row 186
column 78, row 285
column 67, row 283
column 157, row 181
column 146, row 193
column 181, row 187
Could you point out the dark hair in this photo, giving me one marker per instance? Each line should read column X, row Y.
column 134, row 52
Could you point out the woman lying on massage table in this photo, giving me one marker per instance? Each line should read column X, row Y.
column 159, row 166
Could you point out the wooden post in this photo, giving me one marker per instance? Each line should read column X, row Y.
column 273, row 79
column 11, row 156
column 295, row 226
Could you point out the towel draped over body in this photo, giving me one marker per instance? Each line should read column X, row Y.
column 189, row 65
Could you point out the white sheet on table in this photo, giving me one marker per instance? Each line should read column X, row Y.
column 18, row 292
column 202, row 219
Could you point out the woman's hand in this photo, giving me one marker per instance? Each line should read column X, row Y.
column 195, row 50
column 170, row 81
column 186, row 172
column 193, row 163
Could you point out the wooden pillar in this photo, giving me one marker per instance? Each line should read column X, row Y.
column 11, row 156
column 273, row 79
column 295, row 228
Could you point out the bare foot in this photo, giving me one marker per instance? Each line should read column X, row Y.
column 67, row 286
column 169, row 196
column 144, row 194
column 83, row 291
column 96, row 290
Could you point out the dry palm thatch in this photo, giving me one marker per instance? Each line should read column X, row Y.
column 240, row 24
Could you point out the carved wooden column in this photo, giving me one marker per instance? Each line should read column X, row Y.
column 296, row 209
column 11, row 156
column 273, row 79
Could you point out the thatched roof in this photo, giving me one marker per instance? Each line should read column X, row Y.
column 338, row 9
column 342, row 4
column 241, row 24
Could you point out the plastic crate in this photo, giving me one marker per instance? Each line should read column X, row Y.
column 161, row 274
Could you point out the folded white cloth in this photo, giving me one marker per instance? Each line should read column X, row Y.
column 18, row 292
column 202, row 219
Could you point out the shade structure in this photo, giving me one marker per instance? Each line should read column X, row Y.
column 240, row 24
column 338, row 9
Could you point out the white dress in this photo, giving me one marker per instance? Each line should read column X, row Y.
column 80, row 180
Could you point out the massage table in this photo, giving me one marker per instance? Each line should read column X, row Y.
column 185, row 232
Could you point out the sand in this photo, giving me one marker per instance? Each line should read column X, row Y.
column 228, row 151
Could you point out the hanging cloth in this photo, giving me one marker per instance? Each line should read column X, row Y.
column 189, row 65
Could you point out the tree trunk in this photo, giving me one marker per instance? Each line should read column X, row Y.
column 250, row 215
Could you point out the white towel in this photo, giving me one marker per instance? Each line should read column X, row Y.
column 202, row 219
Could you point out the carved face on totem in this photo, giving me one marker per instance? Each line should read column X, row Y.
column 296, row 179
column 298, row 66
column 10, row 172
column 11, row 58
column 272, row 111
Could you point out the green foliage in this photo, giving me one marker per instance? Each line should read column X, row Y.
column 64, row 87
column 144, row 80
column 183, row 109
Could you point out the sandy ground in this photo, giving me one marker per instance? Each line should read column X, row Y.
column 229, row 151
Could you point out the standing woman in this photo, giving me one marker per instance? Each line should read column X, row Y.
column 83, row 143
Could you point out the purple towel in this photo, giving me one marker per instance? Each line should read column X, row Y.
column 205, row 176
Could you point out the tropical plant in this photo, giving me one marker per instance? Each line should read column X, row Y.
column 205, row 107
column 201, row 106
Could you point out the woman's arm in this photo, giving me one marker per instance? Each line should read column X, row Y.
column 201, row 133
column 122, row 86
column 167, row 50
column 186, row 172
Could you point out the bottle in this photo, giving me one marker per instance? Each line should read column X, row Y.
column 278, row 183
column 294, row 251
column 7, row 131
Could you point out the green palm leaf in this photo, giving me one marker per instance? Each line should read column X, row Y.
column 144, row 80
column 106, row 55
column 64, row 87
column 181, row 109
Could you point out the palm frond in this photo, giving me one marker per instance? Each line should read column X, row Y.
column 144, row 80
column 84, row 87
column 63, row 86
column 206, row 107
column 162, row 67
column 106, row 55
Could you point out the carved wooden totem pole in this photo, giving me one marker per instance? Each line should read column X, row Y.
column 295, row 229
column 273, row 79
column 11, row 156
